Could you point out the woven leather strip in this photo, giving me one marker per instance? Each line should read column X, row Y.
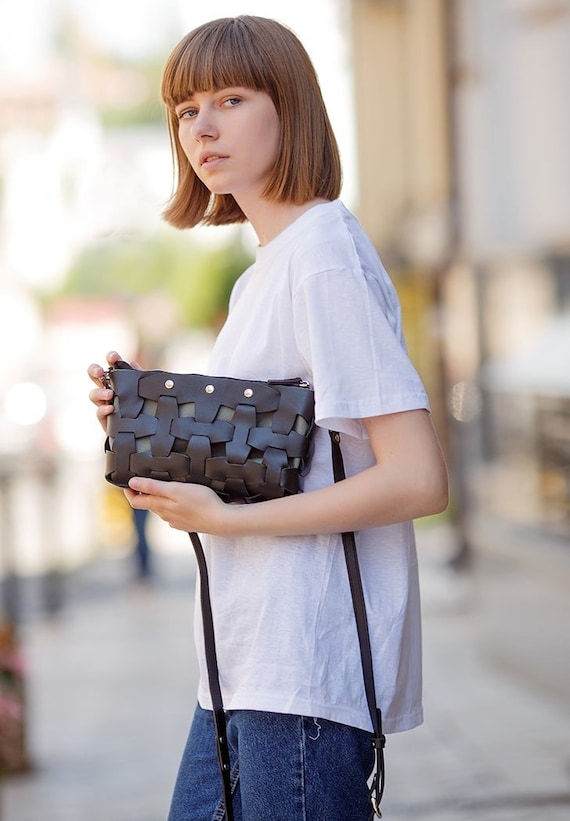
column 245, row 439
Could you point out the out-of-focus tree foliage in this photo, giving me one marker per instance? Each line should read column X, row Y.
column 142, row 105
column 198, row 279
column 125, row 92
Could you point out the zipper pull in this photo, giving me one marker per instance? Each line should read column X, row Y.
column 119, row 365
column 106, row 379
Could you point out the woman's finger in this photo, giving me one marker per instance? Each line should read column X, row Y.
column 113, row 357
column 101, row 396
column 95, row 373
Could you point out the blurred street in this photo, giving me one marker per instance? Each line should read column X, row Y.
column 112, row 682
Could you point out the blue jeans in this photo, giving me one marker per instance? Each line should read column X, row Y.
column 284, row 768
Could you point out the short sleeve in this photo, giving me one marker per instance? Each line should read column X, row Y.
column 348, row 332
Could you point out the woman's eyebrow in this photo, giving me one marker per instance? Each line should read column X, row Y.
column 184, row 101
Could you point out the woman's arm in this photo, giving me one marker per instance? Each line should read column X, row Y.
column 408, row 481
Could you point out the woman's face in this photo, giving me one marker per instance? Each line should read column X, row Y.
column 231, row 138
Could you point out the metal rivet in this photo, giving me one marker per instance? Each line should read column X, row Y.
column 169, row 384
column 209, row 389
column 248, row 393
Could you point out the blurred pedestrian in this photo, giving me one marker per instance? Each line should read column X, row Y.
column 142, row 547
column 252, row 141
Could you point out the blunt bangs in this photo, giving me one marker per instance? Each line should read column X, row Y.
column 214, row 56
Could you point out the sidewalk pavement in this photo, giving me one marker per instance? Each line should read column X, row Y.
column 112, row 683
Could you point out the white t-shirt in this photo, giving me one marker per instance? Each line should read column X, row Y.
column 317, row 304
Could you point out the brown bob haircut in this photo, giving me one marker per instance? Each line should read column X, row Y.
column 261, row 54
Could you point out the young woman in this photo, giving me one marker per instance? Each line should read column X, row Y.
column 252, row 141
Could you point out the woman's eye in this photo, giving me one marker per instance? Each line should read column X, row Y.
column 233, row 101
column 187, row 114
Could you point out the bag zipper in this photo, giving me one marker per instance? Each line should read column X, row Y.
column 294, row 381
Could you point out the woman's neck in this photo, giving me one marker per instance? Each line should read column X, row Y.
column 269, row 219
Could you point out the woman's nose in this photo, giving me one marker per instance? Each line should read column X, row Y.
column 203, row 126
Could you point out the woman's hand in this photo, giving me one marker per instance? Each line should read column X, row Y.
column 101, row 396
column 189, row 507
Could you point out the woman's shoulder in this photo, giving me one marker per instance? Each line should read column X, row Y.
column 334, row 239
column 334, row 213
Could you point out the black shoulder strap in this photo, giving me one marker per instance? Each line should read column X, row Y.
column 214, row 678
column 358, row 603
column 357, row 593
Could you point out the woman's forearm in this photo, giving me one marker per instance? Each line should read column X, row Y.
column 375, row 497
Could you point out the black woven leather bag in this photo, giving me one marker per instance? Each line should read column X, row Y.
column 245, row 439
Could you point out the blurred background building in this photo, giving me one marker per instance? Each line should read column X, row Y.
column 463, row 127
column 453, row 118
